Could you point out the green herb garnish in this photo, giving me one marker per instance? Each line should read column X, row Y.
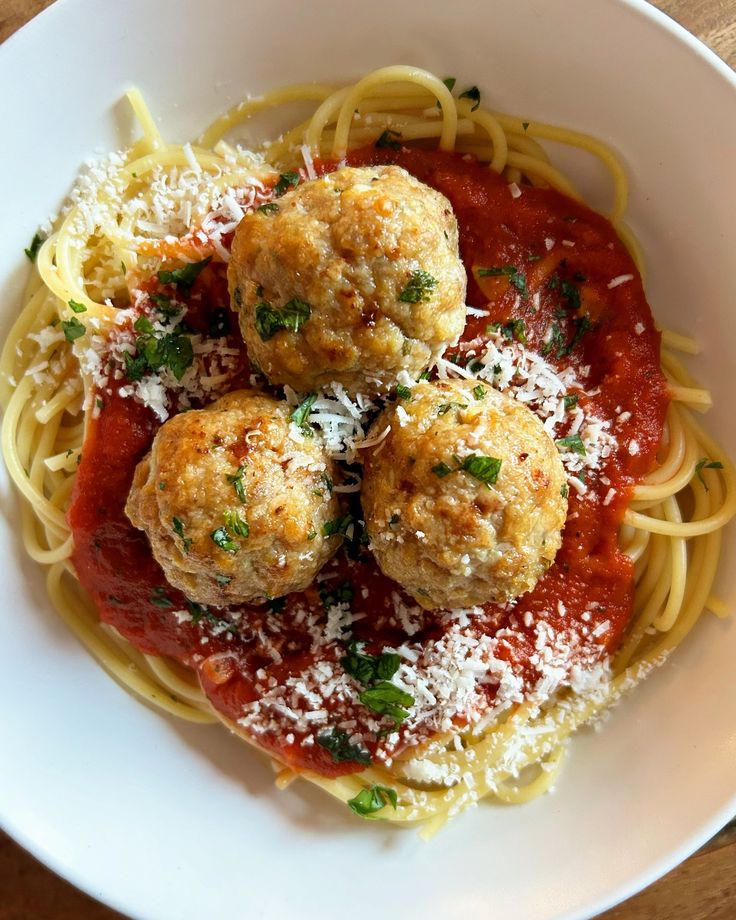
column 515, row 275
column 387, row 700
column 301, row 413
column 372, row 799
column 221, row 538
column 286, row 181
column 36, row 244
column 77, row 307
column 441, row 470
column 73, row 329
column 479, row 392
column 403, row 392
column 514, row 329
column 179, row 531
column 474, row 95
column 291, row 316
column 574, row 443
column 235, row 523
column 160, row 598
column 236, row 481
column 570, row 401
column 338, row 525
column 338, row 744
column 368, row 669
column 269, row 208
column 484, row 469
column 340, row 594
column 706, row 464
column 387, row 139
column 418, row 288
column 185, row 276
column 444, row 408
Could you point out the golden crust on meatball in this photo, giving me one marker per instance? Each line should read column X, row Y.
column 463, row 500
column 352, row 278
column 233, row 504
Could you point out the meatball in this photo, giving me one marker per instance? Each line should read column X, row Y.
column 464, row 500
column 352, row 278
column 234, row 507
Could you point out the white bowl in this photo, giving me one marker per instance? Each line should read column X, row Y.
column 163, row 820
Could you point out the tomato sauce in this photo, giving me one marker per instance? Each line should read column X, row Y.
column 564, row 259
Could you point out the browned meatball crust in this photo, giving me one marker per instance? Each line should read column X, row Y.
column 464, row 499
column 352, row 278
column 233, row 503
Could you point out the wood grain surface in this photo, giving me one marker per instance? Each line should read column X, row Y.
column 701, row 888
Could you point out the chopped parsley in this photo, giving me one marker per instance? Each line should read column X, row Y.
column 403, row 392
column 556, row 341
column 473, row 94
column 291, row 316
column 338, row 525
column 236, row 523
column 185, row 276
column 388, row 139
column 269, row 208
column 73, row 329
column 574, row 443
column 479, row 392
column 338, row 744
column 170, row 350
column 706, row 464
column 582, row 325
column 450, row 84
column 222, row 538
column 369, row 669
column 77, row 307
column 159, row 598
column 484, row 469
column 341, row 594
column 418, row 288
column 445, row 407
column 570, row 401
column 179, row 531
column 564, row 490
column 515, row 275
column 387, row 700
column 100, row 402
column 223, row 580
column 372, row 799
column 300, row 415
column 286, row 181
column 36, row 244
column 514, row 329
column 571, row 294
column 236, row 481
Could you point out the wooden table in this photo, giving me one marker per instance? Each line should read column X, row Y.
column 702, row 888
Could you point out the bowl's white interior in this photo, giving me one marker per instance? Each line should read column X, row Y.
column 169, row 821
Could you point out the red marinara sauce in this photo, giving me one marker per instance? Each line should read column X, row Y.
column 563, row 272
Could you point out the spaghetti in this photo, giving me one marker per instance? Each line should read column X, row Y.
column 159, row 203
